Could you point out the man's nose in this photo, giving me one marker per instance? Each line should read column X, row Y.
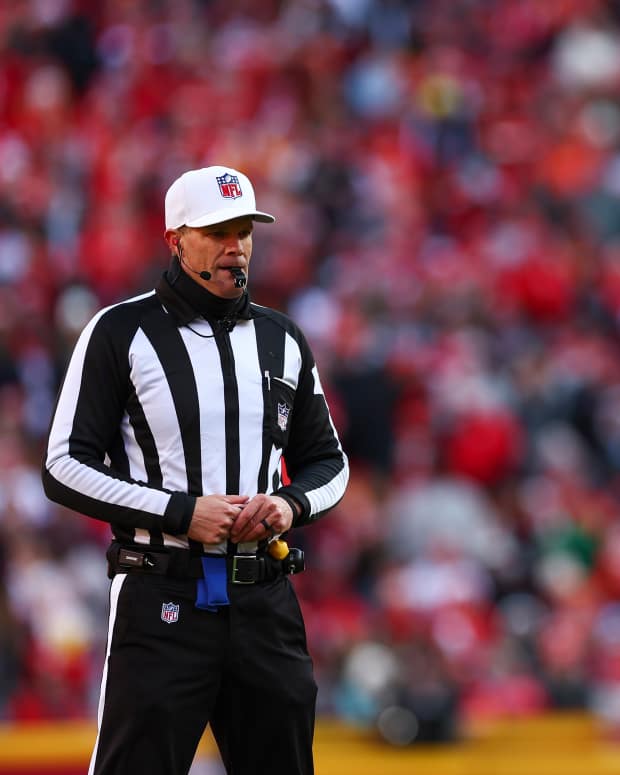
column 234, row 245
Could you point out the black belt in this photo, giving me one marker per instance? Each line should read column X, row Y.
column 179, row 563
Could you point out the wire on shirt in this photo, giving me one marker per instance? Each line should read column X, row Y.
column 226, row 323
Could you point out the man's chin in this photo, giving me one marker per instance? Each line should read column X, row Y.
column 227, row 292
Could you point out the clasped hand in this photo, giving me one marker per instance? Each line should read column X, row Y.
column 218, row 518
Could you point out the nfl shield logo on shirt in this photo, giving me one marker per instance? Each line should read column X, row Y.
column 229, row 186
column 283, row 411
column 170, row 612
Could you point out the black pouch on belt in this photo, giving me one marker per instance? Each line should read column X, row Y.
column 122, row 559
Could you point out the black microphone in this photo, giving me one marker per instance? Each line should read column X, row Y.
column 238, row 274
column 204, row 274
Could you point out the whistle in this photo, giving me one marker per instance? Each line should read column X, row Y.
column 278, row 549
column 239, row 277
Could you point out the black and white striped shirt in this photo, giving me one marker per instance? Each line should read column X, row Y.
column 160, row 404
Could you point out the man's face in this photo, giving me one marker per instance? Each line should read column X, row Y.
column 216, row 249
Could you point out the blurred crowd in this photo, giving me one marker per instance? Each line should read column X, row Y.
column 446, row 176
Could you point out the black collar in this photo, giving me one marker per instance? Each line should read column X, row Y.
column 186, row 300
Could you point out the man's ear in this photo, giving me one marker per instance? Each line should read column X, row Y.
column 172, row 239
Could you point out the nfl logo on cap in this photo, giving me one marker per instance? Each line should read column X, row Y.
column 229, row 186
column 170, row 612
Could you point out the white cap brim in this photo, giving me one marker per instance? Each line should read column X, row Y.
column 229, row 214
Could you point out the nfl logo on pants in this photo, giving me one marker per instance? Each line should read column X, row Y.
column 169, row 612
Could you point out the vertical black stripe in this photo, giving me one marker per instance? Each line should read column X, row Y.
column 270, row 339
column 231, row 411
column 146, row 441
column 176, row 364
column 175, row 361
column 118, row 456
column 120, row 463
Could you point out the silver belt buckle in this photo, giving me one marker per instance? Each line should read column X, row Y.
column 239, row 572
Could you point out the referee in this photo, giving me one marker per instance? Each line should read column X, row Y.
column 175, row 416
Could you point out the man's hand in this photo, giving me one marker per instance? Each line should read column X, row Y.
column 262, row 517
column 214, row 516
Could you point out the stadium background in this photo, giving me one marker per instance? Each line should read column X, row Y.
column 446, row 177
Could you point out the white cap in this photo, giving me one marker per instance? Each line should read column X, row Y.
column 211, row 195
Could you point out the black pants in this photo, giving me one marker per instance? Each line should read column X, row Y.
column 244, row 669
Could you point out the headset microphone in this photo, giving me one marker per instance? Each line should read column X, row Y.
column 204, row 274
column 238, row 274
